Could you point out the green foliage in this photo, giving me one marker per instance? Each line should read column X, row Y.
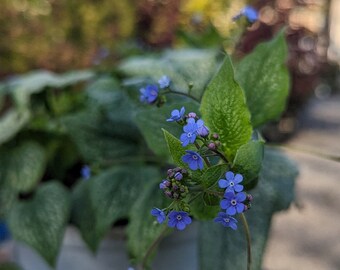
column 12, row 122
column 107, row 198
column 265, row 80
column 152, row 121
column 224, row 110
column 274, row 192
column 185, row 67
column 40, row 221
column 248, row 161
column 213, row 174
column 30, row 158
column 175, row 148
column 142, row 229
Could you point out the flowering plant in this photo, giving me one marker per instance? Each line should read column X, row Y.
column 195, row 123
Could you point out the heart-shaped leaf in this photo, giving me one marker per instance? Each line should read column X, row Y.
column 265, row 80
column 40, row 222
column 224, row 110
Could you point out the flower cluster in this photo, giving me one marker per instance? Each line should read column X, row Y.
column 150, row 93
column 172, row 186
column 180, row 184
column 234, row 200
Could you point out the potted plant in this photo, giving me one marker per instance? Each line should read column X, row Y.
column 185, row 147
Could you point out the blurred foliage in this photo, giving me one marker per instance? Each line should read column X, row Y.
column 60, row 35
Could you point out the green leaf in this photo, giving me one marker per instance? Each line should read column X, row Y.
column 12, row 122
column 142, row 229
column 213, row 174
column 40, row 222
column 265, row 80
column 248, row 160
column 109, row 197
column 224, row 110
column 83, row 214
column 183, row 67
column 36, row 81
column 97, row 139
column 175, row 148
column 152, row 121
column 274, row 192
column 202, row 210
column 30, row 158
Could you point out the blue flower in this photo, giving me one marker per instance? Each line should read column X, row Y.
column 149, row 94
column 189, row 135
column 202, row 130
column 249, row 12
column 233, row 203
column 179, row 220
column 231, row 183
column 159, row 214
column 164, row 82
column 176, row 115
column 193, row 159
column 226, row 220
column 85, row 172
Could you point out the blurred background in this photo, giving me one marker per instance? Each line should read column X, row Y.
column 60, row 35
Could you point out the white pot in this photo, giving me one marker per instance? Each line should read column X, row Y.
column 177, row 251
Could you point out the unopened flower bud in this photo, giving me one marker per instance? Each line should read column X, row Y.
column 249, row 197
column 168, row 194
column 192, row 115
column 184, row 171
column 217, row 143
column 215, row 136
column 174, row 187
column 171, row 173
column 212, row 146
column 175, row 195
column 178, row 176
column 203, row 131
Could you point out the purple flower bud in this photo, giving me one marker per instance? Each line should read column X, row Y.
column 164, row 184
column 202, row 130
column 171, row 173
column 192, row 115
column 178, row 176
column 249, row 197
column 174, row 187
column 184, row 171
column 215, row 136
column 212, row 146
column 168, row 194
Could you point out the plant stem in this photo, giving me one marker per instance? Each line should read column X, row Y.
column 247, row 232
column 182, row 94
column 204, row 158
column 152, row 247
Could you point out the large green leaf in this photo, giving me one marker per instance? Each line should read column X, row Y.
column 83, row 214
column 40, row 222
column 184, row 67
column 248, row 160
column 25, row 166
column 152, row 121
column 265, row 80
column 142, row 229
column 223, row 248
column 97, row 139
column 225, row 111
column 175, row 149
column 9, row 266
column 109, row 197
column 35, row 81
column 12, row 122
